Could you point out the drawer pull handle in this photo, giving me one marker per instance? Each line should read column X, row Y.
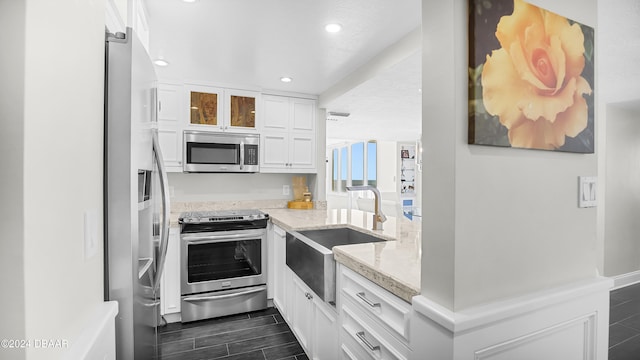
column 364, row 340
column 369, row 302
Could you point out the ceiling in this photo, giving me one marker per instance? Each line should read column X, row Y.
column 253, row 43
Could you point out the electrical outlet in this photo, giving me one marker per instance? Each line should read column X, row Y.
column 285, row 189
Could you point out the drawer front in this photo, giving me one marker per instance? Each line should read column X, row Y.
column 392, row 312
column 367, row 339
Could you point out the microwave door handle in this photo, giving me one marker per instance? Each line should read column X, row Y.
column 164, row 191
column 241, row 155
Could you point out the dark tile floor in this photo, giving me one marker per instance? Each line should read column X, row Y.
column 624, row 323
column 259, row 335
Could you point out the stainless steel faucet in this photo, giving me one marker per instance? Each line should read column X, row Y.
column 378, row 216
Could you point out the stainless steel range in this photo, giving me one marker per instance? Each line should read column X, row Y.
column 223, row 263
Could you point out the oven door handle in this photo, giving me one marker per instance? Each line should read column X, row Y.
column 225, row 296
column 246, row 235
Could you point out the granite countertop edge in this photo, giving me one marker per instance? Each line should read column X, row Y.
column 397, row 286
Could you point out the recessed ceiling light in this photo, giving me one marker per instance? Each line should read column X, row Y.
column 161, row 62
column 189, row 1
column 333, row 28
column 286, row 79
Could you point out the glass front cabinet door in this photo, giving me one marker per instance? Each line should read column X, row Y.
column 220, row 109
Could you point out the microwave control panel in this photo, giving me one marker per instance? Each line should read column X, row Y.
column 250, row 154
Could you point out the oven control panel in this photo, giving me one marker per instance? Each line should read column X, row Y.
column 204, row 221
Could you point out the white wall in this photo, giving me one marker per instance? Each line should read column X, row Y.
column 63, row 135
column 501, row 222
column 622, row 228
column 12, row 296
column 387, row 166
column 618, row 77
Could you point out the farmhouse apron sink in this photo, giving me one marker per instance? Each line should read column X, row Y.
column 310, row 256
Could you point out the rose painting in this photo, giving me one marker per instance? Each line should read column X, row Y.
column 531, row 78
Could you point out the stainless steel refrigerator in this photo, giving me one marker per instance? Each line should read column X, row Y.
column 136, row 198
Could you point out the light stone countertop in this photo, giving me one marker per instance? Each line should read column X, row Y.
column 394, row 265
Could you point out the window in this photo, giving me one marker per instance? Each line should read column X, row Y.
column 372, row 163
column 343, row 168
column 354, row 165
column 335, row 173
column 357, row 164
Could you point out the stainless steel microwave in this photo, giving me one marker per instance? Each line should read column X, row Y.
column 220, row 152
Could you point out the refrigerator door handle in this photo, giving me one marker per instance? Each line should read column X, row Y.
column 164, row 190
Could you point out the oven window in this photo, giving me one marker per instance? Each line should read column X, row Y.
column 223, row 260
column 206, row 153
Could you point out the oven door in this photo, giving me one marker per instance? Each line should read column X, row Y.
column 222, row 260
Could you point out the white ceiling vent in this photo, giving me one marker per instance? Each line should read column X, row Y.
column 335, row 116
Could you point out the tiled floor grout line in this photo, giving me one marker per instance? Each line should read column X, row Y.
column 285, row 344
column 225, row 332
column 636, row 337
column 270, row 345
column 259, row 337
column 227, row 344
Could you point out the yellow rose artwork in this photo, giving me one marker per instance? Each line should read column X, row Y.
column 530, row 78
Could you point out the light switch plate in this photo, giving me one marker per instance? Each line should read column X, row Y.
column 587, row 191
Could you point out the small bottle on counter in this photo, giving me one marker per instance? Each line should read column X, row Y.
column 306, row 194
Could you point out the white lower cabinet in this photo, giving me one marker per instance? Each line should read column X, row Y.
column 301, row 313
column 374, row 324
column 313, row 321
column 278, row 265
column 170, row 281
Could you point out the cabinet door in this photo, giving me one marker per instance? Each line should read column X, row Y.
column 276, row 113
column 170, row 282
column 205, row 106
column 170, row 125
column 325, row 331
column 302, row 150
column 303, row 114
column 275, row 150
column 242, row 111
column 302, row 312
column 279, row 265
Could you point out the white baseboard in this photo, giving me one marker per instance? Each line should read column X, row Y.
column 568, row 323
column 627, row 279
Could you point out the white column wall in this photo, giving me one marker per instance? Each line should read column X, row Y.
column 63, row 137
column 497, row 222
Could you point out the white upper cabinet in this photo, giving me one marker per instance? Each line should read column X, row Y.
column 170, row 125
column 288, row 135
column 219, row 109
